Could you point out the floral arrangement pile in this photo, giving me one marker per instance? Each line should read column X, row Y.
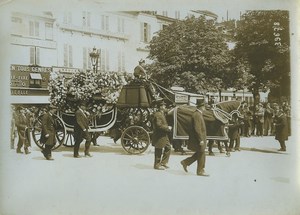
column 99, row 90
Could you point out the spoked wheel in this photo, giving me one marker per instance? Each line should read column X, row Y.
column 69, row 140
column 60, row 132
column 135, row 140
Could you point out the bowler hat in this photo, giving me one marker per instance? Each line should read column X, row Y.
column 200, row 102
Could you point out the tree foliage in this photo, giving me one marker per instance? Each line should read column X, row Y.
column 263, row 42
column 191, row 53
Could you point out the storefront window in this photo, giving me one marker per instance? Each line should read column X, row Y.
column 35, row 80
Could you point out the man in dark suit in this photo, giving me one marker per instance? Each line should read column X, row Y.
column 281, row 128
column 160, row 139
column 197, row 140
column 48, row 132
column 234, row 133
column 81, row 131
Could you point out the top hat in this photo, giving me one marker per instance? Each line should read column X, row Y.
column 141, row 61
column 200, row 102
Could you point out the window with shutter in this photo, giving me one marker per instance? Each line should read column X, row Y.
column 107, row 59
column 102, row 60
column 48, row 31
column 31, row 28
column 65, row 55
column 37, row 29
column 84, row 59
column 32, row 55
column 70, row 56
column 37, row 56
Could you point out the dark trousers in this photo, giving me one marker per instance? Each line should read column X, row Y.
column 282, row 144
column 24, row 138
column 162, row 155
column 237, row 143
column 47, row 150
column 259, row 129
column 79, row 139
column 198, row 156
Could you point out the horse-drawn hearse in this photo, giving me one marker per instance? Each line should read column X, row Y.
column 131, row 116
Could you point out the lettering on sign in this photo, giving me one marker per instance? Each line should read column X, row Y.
column 180, row 98
column 21, row 68
column 19, row 92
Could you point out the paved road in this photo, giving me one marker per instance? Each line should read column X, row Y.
column 256, row 180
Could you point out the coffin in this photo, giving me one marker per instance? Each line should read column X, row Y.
column 134, row 96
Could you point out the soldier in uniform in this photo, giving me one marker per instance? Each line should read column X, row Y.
column 81, row 132
column 139, row 71
column 22, row 125
column 197, row 140
column 160, row 139
column 48, row 132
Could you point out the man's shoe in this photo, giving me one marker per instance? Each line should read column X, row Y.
column 159, row 167
column 202, row 173
column 281, row 150
column 77, row 156
column 237, row 149
column 184, row 165
column 211, row 154
column 19, row 151
column 49, row 158
column 27, row 151
column 88, row 155
column 222, row 151
column 165, row 166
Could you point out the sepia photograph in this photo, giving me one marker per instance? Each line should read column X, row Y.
column 133, row 107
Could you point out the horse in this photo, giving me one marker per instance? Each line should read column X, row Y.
column 216, row 120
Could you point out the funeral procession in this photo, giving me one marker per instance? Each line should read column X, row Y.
column 184, row 96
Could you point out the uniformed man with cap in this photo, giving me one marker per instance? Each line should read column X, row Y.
column 48, row 135
column 22, row 125
column 197, row 140
column 139, row 71
column 160, row 139
column 81, row 131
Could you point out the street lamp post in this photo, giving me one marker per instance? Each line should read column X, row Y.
column 94, row 55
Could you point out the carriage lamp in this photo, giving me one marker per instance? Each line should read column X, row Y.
column 94, row 55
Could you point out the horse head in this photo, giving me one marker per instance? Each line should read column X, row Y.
column 227, row 109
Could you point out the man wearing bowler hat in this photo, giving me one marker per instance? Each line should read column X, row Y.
column 197, row 140
column 81, row 131
column 48, row 132
column 160, row 139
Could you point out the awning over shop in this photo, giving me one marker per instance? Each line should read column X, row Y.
column 36, row 76
column 29, row 99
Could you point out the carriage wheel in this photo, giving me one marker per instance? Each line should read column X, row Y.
column 60, row 132
column 135, row 140
column 69, row 140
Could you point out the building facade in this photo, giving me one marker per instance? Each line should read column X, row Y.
column 62, row 41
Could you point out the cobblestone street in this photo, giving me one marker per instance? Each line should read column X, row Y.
column 256, row 180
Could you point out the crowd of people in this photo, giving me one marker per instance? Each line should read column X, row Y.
column 260, row 120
